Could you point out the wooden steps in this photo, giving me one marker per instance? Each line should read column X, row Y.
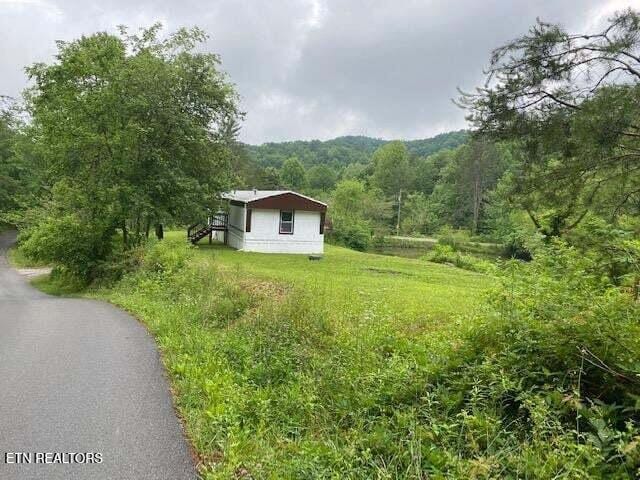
column 217, row 223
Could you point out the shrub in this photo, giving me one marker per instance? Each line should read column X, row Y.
column 554, row 363
column 69, row 242
column 446, row 254
column 167, row 256
column 355, row 235
column 453, row 238
column 515, row 247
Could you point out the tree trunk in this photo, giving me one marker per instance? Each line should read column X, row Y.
column 125, row 235
column 137, row 226
column 159, row 231
column 477, row 196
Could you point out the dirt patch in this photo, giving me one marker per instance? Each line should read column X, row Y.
column 34, row 272
column 264, row 290
column 388, row 271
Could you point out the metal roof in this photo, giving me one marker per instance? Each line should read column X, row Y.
column 246, row 196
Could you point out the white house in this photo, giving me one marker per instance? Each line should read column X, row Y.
column 274, row 221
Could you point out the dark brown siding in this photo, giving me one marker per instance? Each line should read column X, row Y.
column 288, row 201
column 248, row 223
column 322, row 214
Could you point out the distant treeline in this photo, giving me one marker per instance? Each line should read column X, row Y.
column 343, row 151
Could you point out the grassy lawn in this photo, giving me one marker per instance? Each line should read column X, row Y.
column 407, row 291
column 19, row 260
column 283, row 367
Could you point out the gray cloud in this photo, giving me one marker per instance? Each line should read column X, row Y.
column 315, row 68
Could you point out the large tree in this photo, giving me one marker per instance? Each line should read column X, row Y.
column 293, row 175
column 391, row 169
column 134, row 130
column 570, row 102
column 9, row 184
column 321, row 177
column 136, row 124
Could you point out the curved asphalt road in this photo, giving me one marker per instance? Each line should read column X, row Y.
column 82, row 376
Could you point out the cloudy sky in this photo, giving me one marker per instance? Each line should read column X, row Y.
column 315, row 68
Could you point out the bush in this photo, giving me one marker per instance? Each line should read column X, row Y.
column 355, row 235
column 446, row 254
column 553, row 366
column 69, row 242
column 515, row 246
column 453, row 238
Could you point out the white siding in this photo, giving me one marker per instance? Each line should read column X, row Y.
column 265, row 233
column 235, row 235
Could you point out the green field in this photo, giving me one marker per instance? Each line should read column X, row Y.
column 285, row 367
column 405, row 290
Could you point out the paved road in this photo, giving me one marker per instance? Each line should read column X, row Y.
column 82, row 376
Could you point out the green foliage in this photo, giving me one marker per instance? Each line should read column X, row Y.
column 568, row 102
column 515, row 246
column 258, row 363
column 417, row 215
column 9, row 184
column 354, row 210
column 136, row 130
column 66, row 240
column 443, row 253
column 329, row 380
column 453, row 238
column 554, row 362
column 348, row 207
column 321, row 177
column 270, row 179
column 349, row 200
column 428, row 171
column 344, row 151
column 60, row 282
column 20, row 168
column 293, row 175
column 391, row 168
column 355, row 235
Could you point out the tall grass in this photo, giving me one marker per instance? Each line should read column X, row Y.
column 282, row 379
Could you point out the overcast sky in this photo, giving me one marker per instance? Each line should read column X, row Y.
column 315, row 68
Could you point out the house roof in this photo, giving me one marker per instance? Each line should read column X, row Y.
column 250, row 195
column 274, row 199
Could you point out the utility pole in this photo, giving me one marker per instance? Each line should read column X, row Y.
column 399, row 204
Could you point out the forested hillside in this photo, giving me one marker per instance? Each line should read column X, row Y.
column 343, row 151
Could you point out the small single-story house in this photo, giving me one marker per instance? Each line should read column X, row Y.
column 274, row 221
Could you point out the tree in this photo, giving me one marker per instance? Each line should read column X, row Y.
column 271, row 179
column 349, row 199
column 419, row 216
column 348, row 205
column 137, row 128
column 293, row 174
column 21, row 173
column 354, row 171
column 480, row 171
column 9, row 184
column 428, row 171
column 391, row 168
column 569, row 102
column 321, row 177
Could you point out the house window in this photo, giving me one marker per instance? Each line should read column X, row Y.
column 286, row 222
